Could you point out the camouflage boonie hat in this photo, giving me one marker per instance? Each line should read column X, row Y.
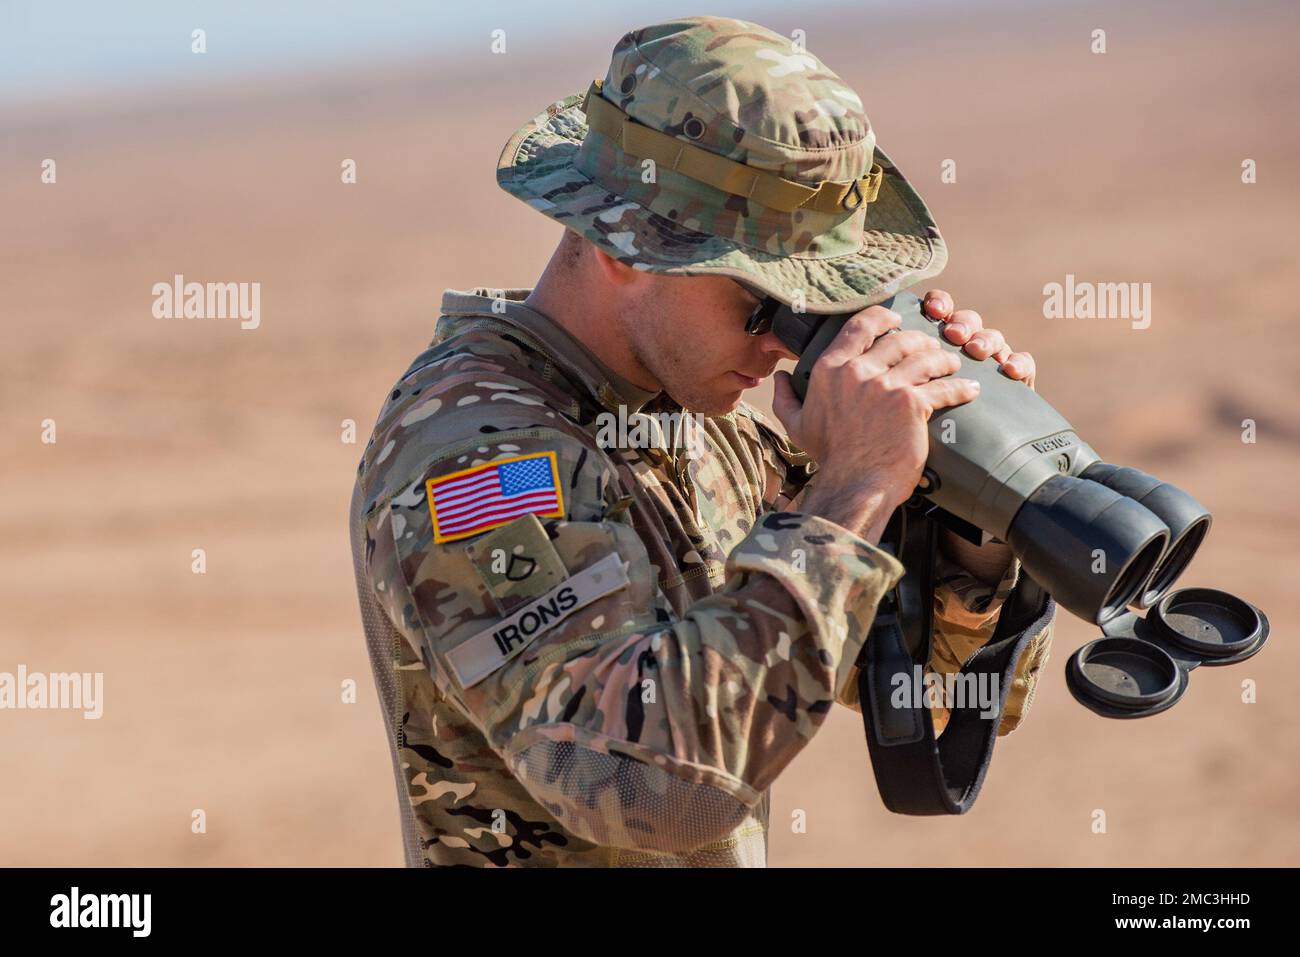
column 713, row 146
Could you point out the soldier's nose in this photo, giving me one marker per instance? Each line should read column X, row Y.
column 771, row 344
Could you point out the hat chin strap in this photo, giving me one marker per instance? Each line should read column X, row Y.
column 762, row 186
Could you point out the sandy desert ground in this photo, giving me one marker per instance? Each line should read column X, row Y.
column 223, row 689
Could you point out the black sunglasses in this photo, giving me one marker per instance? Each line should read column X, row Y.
column 760, row 320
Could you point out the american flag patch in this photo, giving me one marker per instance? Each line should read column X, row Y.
column 474, row 500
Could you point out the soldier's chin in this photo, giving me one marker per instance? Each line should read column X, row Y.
column 723, row 403
column 713, row 400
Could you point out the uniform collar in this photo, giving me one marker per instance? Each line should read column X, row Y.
column 605, row 384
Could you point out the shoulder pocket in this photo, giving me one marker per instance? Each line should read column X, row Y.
column 517, row 562
column 593, row 580
column 527, row 589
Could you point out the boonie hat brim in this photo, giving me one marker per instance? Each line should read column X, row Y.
column 901, row 244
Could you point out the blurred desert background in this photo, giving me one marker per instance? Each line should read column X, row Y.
column 223, row 690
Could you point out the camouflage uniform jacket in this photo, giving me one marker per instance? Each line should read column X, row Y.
column 644, row 723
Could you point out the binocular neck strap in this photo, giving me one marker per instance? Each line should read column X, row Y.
column 917, row 773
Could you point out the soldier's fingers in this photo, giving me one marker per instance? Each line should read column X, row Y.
column 920, row 367
column 1020, row 365
column 785, row 404
column 890, row 350
column 938, row 304
column 985, row 343
column 963, row 324
column 948, row 391
column 858, row 333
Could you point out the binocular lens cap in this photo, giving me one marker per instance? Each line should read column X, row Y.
column 1124, row 677
column 1209, row 623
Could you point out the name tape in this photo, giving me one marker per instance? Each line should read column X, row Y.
column 479, row 655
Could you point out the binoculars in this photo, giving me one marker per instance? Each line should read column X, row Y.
column 1099, row 537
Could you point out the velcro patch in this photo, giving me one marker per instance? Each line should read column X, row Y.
column 478, row 656
column 474, row 500
column 517, row 562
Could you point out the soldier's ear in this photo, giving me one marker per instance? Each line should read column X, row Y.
column 615, row 272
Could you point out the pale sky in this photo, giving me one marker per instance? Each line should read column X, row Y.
column 56, row 48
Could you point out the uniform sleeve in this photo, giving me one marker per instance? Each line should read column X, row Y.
column 635, row 727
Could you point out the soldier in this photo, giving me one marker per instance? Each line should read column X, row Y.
column 596, row 651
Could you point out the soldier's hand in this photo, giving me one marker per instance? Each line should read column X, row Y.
column 863, row 420
column 965, row 328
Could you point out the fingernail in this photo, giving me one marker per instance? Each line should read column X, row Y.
column 959, row 327
column 978, row 341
